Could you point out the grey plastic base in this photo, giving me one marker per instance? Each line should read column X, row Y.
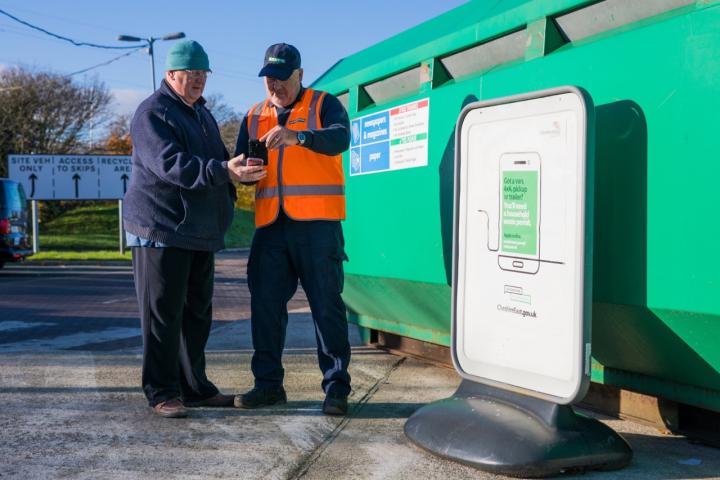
column 515, row 435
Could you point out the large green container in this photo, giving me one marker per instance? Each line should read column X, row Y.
column 653, row 70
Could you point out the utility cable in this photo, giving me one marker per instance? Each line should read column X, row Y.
column 104, row 63
column 60, row 37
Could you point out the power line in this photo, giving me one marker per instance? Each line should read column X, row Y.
column 94, row 26
column 60, row 37
column 240, row 73
column 105, row 63
column 225, row 73
column 23, row 33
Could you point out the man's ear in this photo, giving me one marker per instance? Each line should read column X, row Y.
column 170, row 75
column 300, row 74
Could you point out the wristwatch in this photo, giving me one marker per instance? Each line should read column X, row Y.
column 301, row 138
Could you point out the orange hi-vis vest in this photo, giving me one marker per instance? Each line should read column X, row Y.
column 306, row 184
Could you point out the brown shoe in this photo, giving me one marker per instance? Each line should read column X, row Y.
column 170, row 409
column 217, row 400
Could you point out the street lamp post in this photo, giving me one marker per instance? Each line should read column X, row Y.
column 151, row 46
column 151, row 51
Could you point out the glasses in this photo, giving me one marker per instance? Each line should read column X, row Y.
column 193, row 74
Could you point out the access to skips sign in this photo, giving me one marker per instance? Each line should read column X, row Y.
column 392, row 139
column 71, row 177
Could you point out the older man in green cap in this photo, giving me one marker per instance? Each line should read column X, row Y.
column 178, row 207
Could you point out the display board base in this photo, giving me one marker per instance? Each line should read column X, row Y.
column 515, row 435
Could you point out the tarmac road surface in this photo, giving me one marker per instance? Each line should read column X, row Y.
column 71, row 405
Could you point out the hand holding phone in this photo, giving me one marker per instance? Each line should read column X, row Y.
column 257, row 150
column 241, row 169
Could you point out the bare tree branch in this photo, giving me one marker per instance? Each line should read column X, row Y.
column 44, row 112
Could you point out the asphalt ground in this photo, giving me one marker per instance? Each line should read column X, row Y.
column 71, row 405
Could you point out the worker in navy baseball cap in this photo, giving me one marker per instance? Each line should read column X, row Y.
column 299, row 206
column 281, row 60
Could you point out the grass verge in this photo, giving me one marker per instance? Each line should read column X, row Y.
column 90, row 233
column 242, row 229
column 90, row 255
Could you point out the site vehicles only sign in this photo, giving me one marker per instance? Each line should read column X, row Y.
column 71, row 177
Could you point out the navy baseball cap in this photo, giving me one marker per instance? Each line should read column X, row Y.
column 281, row 60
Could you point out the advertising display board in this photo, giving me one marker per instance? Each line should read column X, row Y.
column 522, row 284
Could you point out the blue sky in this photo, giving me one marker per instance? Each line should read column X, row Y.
column 235, row 34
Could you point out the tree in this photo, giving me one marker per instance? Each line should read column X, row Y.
column 118, row 141
column 42, row 112
column 227, row 118
column 229, row 122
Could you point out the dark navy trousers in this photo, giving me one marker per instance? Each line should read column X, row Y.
column 174, row 290
column 313, row 253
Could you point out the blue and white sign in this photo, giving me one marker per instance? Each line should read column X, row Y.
column 393, row 139
column 355, row 133
column 71, row 177
column 376, row 127
column 375, row 157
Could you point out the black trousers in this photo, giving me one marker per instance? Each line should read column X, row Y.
column 174, row 290
column 283, row 253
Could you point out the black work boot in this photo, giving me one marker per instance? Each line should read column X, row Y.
column 335, row 404
column 261, row 397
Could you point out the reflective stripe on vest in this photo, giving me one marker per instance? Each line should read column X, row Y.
column 297, row 190
column 305, row 184
column 253, row 121
column 312, row 119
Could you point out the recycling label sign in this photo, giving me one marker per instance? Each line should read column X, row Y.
column 71, row 177
column 392, row 139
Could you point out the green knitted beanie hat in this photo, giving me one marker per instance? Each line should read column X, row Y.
column 187, row 55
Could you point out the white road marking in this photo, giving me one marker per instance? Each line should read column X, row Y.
column 116, row 300
column 8, row 326
column 70, row 341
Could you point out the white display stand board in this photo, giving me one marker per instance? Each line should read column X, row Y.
column 522, row 289
column 522, row 293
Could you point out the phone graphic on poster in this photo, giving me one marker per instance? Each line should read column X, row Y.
column 520, row 212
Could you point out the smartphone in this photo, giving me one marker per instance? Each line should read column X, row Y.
column 520, row 212
column 257, row 149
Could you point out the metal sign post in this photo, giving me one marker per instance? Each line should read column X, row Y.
column 120, row 227
column 522, row 292
column 36, row 227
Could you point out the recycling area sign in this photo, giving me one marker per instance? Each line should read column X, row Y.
column 71, row 177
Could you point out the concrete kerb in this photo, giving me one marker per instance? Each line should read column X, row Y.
column 74, row 263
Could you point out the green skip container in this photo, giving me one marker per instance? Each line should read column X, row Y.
column 652, row 68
